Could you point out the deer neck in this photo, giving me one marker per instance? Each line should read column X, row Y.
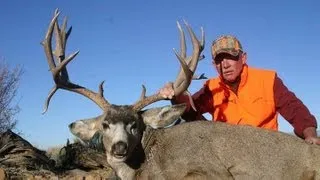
column 123, row 171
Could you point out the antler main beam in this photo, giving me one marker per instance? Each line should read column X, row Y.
column 57, row 64
column 187, row 69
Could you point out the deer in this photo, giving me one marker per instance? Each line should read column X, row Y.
column 139, row 144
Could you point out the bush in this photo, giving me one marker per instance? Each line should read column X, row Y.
column 9, row 80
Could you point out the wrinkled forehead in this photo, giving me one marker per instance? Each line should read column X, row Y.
column 120, row 114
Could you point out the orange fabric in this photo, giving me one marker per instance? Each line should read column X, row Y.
column 253, row 104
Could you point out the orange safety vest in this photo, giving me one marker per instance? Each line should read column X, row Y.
column 252, row 105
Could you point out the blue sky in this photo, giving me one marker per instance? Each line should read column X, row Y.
column 129, row 43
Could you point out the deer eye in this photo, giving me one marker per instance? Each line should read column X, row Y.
column 105, row 125
column 133, row 128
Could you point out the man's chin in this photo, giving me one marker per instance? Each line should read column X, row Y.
column 230, row 80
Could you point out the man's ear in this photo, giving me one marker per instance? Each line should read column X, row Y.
column 162, row 116
column 244, row 58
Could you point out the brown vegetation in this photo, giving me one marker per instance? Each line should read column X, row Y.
column 20, row 160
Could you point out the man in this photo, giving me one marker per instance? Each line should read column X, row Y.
column 246, row 95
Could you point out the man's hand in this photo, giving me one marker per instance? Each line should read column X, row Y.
column 310, row 136
column 167, row 91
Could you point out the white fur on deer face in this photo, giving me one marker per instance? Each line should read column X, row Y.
column 122, row 127
column 121, row 138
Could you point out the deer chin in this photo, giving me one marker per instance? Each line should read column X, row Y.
column 117, row 158
column 121, row 157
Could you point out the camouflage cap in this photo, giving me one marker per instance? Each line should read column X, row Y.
column 226, row 44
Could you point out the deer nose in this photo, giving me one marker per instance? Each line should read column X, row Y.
column 120, row 149
column 71, row 125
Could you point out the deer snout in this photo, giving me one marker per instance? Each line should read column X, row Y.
column 119, row 149
column 71, row 126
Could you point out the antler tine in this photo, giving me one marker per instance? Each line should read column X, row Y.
column 58, row 62
column 47, row 42
column 186, row 72
column 183, row 47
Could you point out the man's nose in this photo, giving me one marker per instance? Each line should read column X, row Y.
column 225, row 63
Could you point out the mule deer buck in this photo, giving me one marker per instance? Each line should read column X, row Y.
column 138, row 147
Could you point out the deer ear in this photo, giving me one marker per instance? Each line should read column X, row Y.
column 85, row 129
column 162, row 116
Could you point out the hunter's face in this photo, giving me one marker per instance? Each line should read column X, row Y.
column 230, row 67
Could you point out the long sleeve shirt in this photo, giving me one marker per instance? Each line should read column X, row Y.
column 287, row 104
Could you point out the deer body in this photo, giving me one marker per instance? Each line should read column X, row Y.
column 214, row 150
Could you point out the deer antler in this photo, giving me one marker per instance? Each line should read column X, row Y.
column 57, row 64
column 187, row 69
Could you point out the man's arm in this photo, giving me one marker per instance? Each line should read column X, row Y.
column 202, row 100
column 295, row 112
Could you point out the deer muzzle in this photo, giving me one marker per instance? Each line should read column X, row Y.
column 119, row 149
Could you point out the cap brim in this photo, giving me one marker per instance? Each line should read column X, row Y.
column 232, row 52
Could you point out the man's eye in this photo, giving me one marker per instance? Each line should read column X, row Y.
column 217, row 61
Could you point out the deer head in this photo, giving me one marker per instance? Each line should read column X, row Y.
column 120, row 126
